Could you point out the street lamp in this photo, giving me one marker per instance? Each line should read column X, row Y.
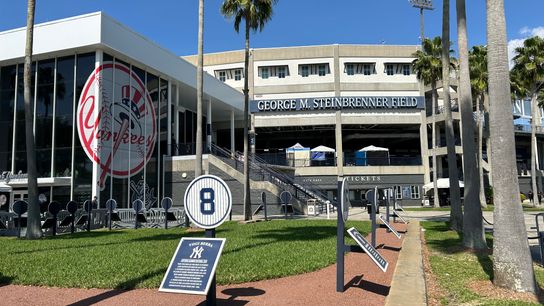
column 422, row 5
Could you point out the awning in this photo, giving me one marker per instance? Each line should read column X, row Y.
column 5, row 188
column 442, row 183
column 297, row 147
column 322, row 149
column 373, row 148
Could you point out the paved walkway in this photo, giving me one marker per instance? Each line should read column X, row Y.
column 408, row 285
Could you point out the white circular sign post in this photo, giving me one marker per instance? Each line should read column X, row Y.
column 344, row 200
column 208, row 201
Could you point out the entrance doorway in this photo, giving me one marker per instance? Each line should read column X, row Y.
column 18, row 195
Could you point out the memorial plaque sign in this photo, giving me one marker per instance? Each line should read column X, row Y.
column 193, row 266
column 389, row 226
column 376, row 257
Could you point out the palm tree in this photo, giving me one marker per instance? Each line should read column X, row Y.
column 473, row 228
column 529, row 67
column 512, row 264
column 199, row 89
column 34, row 230
column 255, row 13
column 456, row 215
column 428, row 68
column 478, row 80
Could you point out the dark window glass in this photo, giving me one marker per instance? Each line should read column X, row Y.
column 151, row 175
column 189, row 127
column 64, row 118
column 7, row 103
column 44, row 116
column 20, row 138
column 82, row 164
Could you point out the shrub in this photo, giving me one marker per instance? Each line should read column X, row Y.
column 522, row 197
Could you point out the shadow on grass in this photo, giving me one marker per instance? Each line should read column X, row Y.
column 359, row 282
column 167, row 237
column 75, row 247
column 5, row 280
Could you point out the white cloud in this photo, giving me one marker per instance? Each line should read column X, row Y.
column 525, row 32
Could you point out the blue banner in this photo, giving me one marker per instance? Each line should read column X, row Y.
column 193, row 266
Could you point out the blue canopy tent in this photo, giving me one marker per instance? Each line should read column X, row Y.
column 298, row 156
column 372, row 156
column 322, row 156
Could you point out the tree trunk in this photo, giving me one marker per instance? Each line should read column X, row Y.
column 534, row 153
column 33, row 229
column 456, row 215
column 473, row 228
column 199, row 89
column 512, row 264
column 436, row 201
column 481, row 118
column 247, row 195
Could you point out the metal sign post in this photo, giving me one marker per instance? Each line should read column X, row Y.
column 166, row 204
column 54, row 209
column 71, row 207
column 285, row 198
column 263, row 199
column 137, row 205
column 88, row 206
column 19, row 207
column 208, row 203
column 111, row 205
column 340, row 240
column 388, row 193
column 372, row 197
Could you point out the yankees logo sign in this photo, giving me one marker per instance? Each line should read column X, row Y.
column 119, row 132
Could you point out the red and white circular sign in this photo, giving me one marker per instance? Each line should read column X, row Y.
column 120, row 133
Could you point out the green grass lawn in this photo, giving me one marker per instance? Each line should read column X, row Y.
column 128, row 259
column 455, row 268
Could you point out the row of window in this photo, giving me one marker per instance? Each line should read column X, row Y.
column 305, row 70
column 407, row 192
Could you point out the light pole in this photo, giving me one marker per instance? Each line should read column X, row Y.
column 422, row 5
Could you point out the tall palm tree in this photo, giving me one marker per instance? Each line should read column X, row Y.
column 34, row 230
column 478, row 80
column 255, row 14
column 512, row 264
column 529, row 67
column 456, row 215
column 199, row 89
column 428, row 68
column 473, row 228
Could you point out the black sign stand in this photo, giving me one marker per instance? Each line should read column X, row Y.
column 263, row 198
column 20, row 207
column 340, row 241
column 211, row 298
column 71, row 207
column 54, row 209
column 88, row 206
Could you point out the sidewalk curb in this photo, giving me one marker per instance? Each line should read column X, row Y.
column 408, row 284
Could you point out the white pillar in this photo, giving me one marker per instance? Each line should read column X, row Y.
column 95, row 189
column 176, row 113
column 169, row 125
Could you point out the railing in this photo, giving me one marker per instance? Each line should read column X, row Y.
column 350, row 159
column 260, row 170
column 181, row 149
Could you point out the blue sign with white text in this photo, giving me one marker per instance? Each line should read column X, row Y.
column 193, row 266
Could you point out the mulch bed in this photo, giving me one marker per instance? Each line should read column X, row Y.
column 365, row 283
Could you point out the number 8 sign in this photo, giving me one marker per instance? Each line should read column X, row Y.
column 208, row 201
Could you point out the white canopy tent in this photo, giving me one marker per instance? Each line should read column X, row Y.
column 323, row 149
column 441, row 183
column 372, row 155
column 373, row 148
column 298, row 155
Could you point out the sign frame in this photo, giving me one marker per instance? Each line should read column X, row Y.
column 344, row 200
column 352, row 232
column 228, row 202
column 393, row 230
column 212, row 271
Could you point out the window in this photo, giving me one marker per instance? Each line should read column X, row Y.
column 389, row 69
column 406, row 69
column 322, row 70
column 398, row 192
column 366, row 69
column 414, row 192
column 222, row 76
column 304, row 70
column 350, row 69
column 264, row 72
column 237, row 74
column 281, row 72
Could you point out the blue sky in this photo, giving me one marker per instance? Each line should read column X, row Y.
column 173, row 23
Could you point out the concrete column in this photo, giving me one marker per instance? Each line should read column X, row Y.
column 176, row 114
column 232, row 143
column 209, row 125
column 424, row 144
column 95, row 189
column 336, row 55
column 339, row 150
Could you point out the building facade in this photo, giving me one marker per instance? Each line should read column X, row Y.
column 108, row 105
